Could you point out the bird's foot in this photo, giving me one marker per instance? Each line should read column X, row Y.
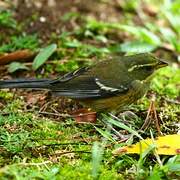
column 127, row 116
column 152, row 116
column 123, row 118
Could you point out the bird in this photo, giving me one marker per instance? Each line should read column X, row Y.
column 108, row 85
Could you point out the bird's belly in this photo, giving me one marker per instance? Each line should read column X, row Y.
column 116, row 102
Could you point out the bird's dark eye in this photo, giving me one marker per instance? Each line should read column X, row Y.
column 148, row 68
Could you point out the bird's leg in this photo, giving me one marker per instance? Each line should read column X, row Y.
column 127, row 116
column 151, row 115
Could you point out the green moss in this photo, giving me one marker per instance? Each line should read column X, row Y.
column 6, row 95
column 166, row 82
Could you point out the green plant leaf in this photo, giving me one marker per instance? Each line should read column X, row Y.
column 133, row 47
column 72, row 44
column 20, row 42
column 121, row 125
column 97, row 155
column 173, row 164
column 7, row 20
column 173, row 20
column 105, row 134
column 15, row 66
column 141, row 33
column 167, row 33
column 43, row 56
column 149, row 37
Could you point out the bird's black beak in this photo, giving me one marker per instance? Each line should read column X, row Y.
column 161, row 64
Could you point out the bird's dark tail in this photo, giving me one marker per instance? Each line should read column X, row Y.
column 25, row 83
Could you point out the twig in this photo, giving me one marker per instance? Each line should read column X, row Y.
column 62, row 144
column 24, row 164
column 4, row 113
column 34, row 164
column 172, row 101
column 55, row 114
column 64, row 115
column 69, row 152
column 44, row 107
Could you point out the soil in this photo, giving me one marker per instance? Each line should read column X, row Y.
column 46, row 16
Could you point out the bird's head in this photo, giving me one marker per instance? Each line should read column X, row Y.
column 142, row 66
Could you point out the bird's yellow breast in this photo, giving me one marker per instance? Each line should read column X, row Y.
column 118, row 102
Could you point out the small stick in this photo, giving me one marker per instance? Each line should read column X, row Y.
column 54, row 114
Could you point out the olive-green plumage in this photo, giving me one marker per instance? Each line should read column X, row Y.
column 108, row 85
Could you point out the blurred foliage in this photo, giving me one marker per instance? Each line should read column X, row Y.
column 166, row 82
column 16, row 66
column 31, row 145
column 20, row 42
column 7, row 20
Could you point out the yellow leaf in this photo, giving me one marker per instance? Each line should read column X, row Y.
column 166, row 145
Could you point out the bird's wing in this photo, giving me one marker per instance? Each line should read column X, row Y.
column 69, row 76
column 79, row 85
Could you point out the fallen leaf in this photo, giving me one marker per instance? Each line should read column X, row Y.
column 84, row 116
column 32, row 99
column 20, row 55
column 166, row 145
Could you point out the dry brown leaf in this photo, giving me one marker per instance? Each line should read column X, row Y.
column 84, row 116
column 20, row 55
